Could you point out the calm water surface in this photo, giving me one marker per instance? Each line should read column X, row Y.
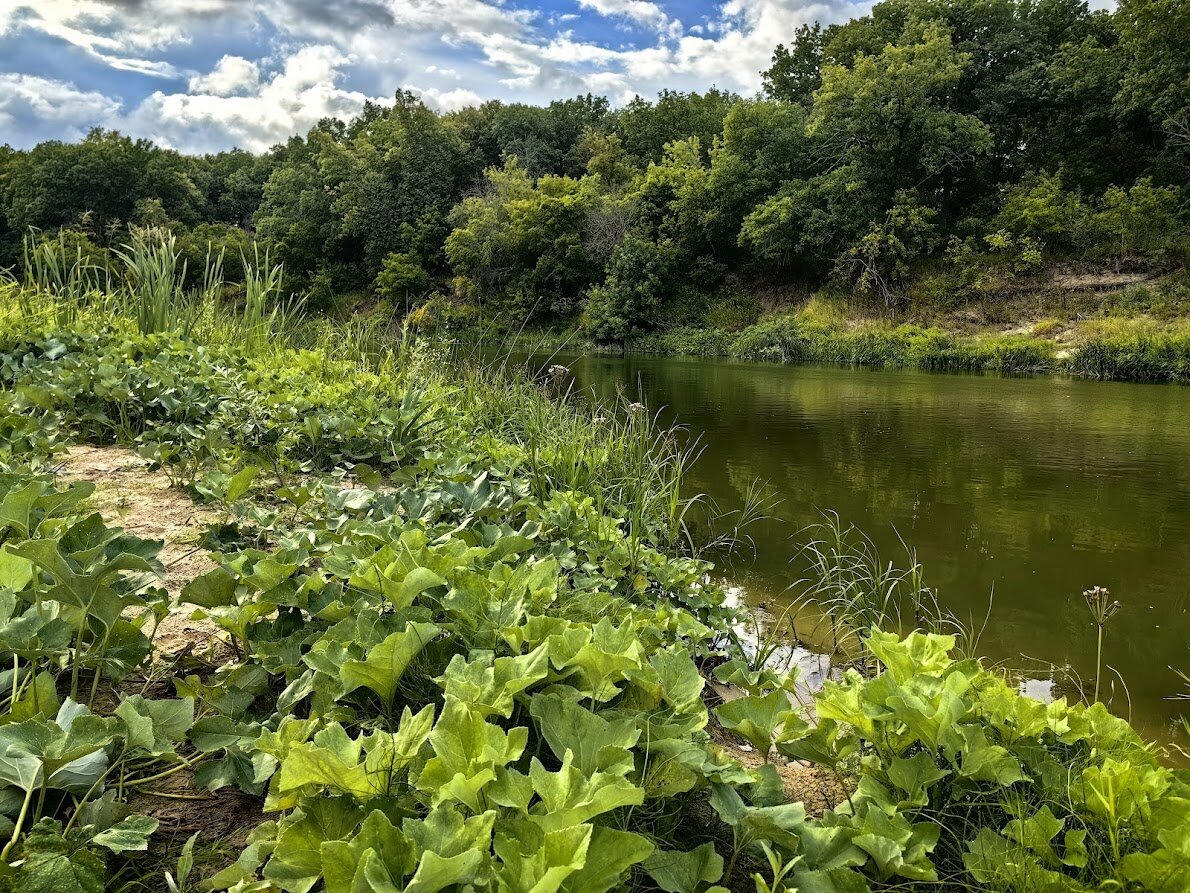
column 1034, row 488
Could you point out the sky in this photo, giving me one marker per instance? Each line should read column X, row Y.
column 206, row 75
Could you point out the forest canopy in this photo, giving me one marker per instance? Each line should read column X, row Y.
column 927, row 141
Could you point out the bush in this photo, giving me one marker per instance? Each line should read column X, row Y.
column 401, row 277
column 1040, row 208
column 630, row 299
column 733, row 311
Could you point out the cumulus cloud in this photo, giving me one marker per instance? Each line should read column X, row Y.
column 36, row 104
column 447, row 100
column 230, row 76
column 295, row 60
column 291, row 101
column 642, row 12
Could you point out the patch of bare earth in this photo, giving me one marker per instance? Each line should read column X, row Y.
column 816, row 788
column 1102, row 281
column 142, row 502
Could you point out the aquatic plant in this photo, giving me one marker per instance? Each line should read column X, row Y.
column 1102, row 607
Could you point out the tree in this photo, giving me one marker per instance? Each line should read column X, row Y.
column 95, row 184
column 1140, row 219
column 401, row 277
column 295, row 214
column 521, row 244
column 795, row 73
column 646, row 127
column 640, row 275
column 396, row 181
column 1041, row 209
column 879, row 262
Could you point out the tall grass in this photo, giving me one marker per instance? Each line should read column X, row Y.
column 1133, row 350
column 154, row 279
column 59, row 279
column 854, row 590
column 149, row 288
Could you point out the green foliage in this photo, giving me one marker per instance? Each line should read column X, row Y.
column 522, row 243
column 401, row 277
column 484, row 672
column 630, row 300
column 963, row 781
column 1041, row 209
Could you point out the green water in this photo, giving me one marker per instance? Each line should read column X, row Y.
column 1037, row 488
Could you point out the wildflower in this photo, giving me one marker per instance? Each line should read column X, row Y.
column 1102, row 608
column 636, row 407
column 1100, row 604
column 557, row 370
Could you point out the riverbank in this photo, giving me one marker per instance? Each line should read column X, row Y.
column 1104, row 327
column 462, row 642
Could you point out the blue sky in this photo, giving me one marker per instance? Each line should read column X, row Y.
column 203, row 75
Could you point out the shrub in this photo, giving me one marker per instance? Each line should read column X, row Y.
column 733, row 310
column 629, row 300
column 401, row 277
column 1040, row 208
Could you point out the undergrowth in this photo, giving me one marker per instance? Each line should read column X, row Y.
column 470, row 641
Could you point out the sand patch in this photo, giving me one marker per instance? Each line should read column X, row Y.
column 141, row 501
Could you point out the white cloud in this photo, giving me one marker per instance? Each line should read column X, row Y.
column 291, row 101
column 642, row 12
column 447, row 100
column 230, row 76
column 28, row 103
column 452, row 52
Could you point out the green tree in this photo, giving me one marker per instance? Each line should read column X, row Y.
column 796, row 72
column 522, row 244
column 1041, row 209
column 646, row 127
column 401, row 277
column 639, row 277
column 1140, row 220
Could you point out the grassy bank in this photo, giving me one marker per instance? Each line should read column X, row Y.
column 453, row 637
column 1138, row 333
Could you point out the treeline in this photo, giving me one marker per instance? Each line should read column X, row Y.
column 919, row 152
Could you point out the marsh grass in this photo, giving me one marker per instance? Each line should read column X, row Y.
column 855, row 590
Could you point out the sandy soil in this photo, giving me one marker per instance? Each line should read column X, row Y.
column 127, row 494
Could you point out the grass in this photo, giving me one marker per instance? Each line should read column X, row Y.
column 619, row 454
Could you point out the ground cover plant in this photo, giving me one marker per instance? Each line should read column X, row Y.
column 467, row 648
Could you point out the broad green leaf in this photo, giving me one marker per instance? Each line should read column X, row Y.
column 467, row 751
column 216, row 588
column 561, row 853
column 917, row 654
column 685, row 872
column 156, row 726
column 130, row 834
column 755, row 718
column 596, row 744
column 488, row 685
column 385, row 663
column 241, row 482
column 570, row 796
column 914, row 776
column 1037, row 833
column 296, row 865
column 610, row 854
column 343, row 869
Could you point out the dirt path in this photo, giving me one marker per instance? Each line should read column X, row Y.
column 141, row 501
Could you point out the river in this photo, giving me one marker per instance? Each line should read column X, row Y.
column 1032, row 488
